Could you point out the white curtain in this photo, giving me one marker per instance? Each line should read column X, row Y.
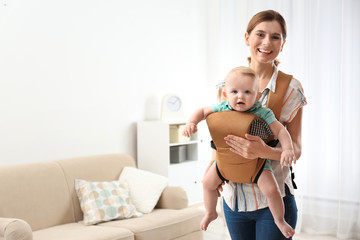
column 323, row 52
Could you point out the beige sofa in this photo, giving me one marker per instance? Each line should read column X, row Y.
column 38, row 201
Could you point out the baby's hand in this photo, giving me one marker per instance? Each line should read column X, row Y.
column 189, row 129
column 287, row 158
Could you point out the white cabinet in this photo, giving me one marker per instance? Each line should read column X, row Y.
column 157, row 154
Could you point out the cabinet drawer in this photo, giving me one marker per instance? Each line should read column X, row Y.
column 188, row 176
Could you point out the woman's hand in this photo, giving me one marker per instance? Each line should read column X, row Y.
column 220, row 188
column 249, row 147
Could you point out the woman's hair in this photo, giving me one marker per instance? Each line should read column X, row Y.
column 267, row 16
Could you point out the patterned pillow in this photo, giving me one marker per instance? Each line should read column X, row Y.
column 104, row 201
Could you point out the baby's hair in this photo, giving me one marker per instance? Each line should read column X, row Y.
column 245, row 71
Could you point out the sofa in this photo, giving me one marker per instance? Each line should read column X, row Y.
column 38, row 201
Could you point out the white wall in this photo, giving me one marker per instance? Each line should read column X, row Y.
column 76, row 76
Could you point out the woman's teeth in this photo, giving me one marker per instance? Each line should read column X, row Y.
column 263, row 51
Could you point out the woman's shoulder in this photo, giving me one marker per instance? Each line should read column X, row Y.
column 296, row 84
column 293, row 101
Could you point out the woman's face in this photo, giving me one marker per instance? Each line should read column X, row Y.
column 265, row 41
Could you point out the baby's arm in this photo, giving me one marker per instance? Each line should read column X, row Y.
column 195, row 118
column 280, row 132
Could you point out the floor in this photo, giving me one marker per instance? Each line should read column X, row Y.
column 218, row 231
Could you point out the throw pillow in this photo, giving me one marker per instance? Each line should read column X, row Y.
column 104, row 201
column 145, row 187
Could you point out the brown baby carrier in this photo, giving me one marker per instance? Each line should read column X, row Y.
column 232, row 166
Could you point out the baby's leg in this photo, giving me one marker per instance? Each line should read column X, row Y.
column 269, row 188
column 211, row 182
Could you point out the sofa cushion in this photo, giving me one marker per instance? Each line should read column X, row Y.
column 78, row 231
column 145, row 187
column 173, row 197
column 104, row 201
column 36, row 193
column 162, row 224
column 105, row 167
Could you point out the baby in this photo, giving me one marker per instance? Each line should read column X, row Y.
column 241, row 92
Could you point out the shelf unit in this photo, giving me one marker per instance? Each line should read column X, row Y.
column 154, row 154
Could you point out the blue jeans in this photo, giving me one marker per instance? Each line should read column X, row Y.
column 259, row 225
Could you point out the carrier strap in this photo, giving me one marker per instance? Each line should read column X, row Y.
column 275, row 103
column 276, row 99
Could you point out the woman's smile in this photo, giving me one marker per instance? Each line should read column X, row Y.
column 261, row 50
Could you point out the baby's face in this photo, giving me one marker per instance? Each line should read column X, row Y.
column 241, row 91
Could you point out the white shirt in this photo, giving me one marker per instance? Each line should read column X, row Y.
column 248, row 195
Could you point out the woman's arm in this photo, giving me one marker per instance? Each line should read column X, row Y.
column 280, row 132
column 294, row 128
column 254, row 147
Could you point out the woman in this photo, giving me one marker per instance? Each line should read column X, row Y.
column 245, row 208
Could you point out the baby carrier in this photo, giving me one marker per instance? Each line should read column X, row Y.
column 232, row 166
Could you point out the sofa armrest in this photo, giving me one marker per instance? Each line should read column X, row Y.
column 15, row 229
column 173, row 197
